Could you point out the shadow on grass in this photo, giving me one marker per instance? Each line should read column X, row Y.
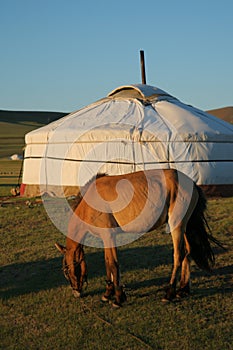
column 23, row 278
column 20, row 279
column 223, row 282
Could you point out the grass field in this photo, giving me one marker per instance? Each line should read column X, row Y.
column 13, row 127
column 38, row 310
column 12, row 133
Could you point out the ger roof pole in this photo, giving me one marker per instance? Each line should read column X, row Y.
column 143, row 71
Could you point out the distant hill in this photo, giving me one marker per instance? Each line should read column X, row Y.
column 29, row 116
column 14, row 125
column 225, row 113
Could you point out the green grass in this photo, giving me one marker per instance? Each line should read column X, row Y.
column 9, row 175
column 14, row 125
column 12, row 137
column 38, row 310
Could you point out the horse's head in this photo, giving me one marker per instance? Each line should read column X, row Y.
column 74, row 267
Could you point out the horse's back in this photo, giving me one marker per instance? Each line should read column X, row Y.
column 137, row 201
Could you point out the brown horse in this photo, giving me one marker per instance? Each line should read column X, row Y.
column 111, row 206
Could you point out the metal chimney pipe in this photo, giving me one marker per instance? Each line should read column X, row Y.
column 143, row 71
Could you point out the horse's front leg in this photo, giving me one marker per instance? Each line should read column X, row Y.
column 113, row 278
column 178, row 243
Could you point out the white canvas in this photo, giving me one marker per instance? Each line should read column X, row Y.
column 135, row 127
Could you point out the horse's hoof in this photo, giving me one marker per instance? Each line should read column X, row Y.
column 105, row 299
column 170, row 294
column 76, row 293
column 181, row 294
column 166, row 300
column 116, row 305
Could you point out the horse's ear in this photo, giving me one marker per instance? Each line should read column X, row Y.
column 60, row 248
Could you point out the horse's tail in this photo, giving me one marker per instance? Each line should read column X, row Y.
column 198, row 237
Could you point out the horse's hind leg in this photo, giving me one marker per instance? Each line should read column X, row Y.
column 178, row 242
column 184, row 289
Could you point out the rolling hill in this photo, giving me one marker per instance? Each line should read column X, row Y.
column 225, row 113
column 29, row 116
column 42, row 118
column 15, row 124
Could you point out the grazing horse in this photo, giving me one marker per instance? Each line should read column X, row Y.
column 138, row 202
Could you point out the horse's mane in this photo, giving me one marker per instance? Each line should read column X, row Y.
column 84, row 189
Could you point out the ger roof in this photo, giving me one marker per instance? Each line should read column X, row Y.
column 139, row 91
column 166, row 113
column 134, row 126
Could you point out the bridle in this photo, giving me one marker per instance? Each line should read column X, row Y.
column 65, row 266
column 66, row 269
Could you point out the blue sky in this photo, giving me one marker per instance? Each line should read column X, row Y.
column 60, row 55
